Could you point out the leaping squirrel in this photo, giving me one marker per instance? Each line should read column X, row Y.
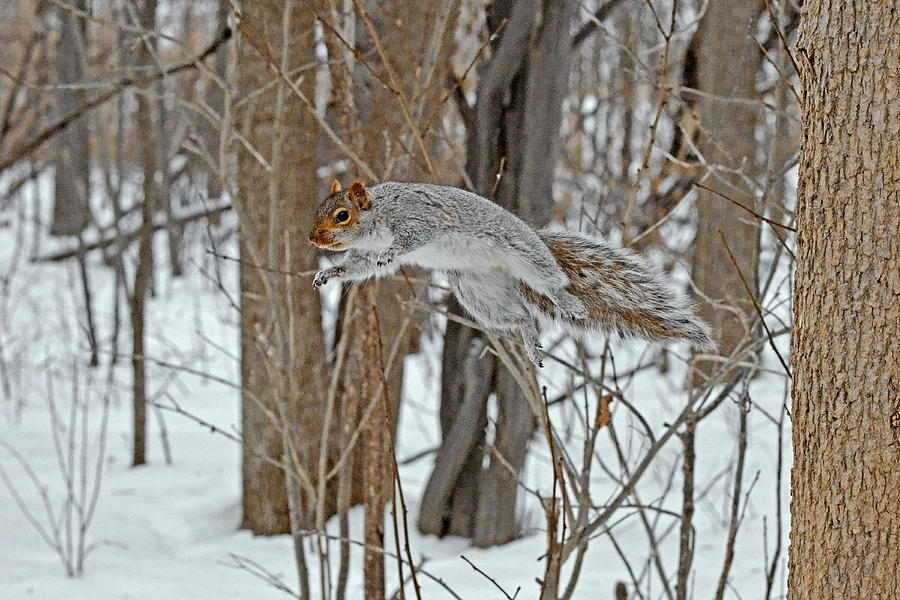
column 504, row 273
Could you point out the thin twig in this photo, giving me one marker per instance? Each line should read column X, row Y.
column 744, row 408
column 748, row 209
column 593, row 22
column 363, row 545
column 784, row 42
column 776, row 555
column 491, row 579
column 762, row 320
column 778, row 69
column 124, row 238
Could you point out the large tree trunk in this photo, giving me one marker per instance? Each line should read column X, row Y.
column 845, row 509
column 726, row 59
column 282, row 348
column 515, row 129
column 72, row 160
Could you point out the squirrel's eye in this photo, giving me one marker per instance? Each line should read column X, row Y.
column 341, row 216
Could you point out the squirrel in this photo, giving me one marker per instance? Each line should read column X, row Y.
column 506, row 274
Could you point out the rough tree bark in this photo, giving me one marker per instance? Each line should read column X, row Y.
column 845, row 522
column 514, row 129
column 371, row 357
column 726, row 59
column 282, row 347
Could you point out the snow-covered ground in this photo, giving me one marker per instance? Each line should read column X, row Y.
column 171, row 531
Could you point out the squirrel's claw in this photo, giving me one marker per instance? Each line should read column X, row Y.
column 534, row 355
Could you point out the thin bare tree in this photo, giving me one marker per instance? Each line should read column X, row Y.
column 143, row 273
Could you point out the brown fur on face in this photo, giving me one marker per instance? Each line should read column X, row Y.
column 338, row 212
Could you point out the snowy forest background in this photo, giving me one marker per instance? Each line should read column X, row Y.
column 183, row 416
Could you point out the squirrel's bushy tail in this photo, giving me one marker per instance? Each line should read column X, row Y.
column 622, row 292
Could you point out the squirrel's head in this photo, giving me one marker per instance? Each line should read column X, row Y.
column 337, row 216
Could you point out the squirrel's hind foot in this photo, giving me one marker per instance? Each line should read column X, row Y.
column 386, row 256
column 532, row 347
column 534, row 355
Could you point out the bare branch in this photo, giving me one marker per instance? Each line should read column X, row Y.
column 126, row 82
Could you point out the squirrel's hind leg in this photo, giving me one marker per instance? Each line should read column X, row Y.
column 544, row 275
column 497, row 306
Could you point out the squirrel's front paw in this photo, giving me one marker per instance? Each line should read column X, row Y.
column 324, row 275
column 385, row 257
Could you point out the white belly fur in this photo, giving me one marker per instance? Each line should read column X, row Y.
column 454, row 254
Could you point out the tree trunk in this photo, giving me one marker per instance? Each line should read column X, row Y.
column 143, row 274
column 406, row 41
column 515, row 129
column 72, row 161
column 208, row 133
column 726, row 59
column 845, row 522
column 72, row 168
column 377, row 451
column 282, row 348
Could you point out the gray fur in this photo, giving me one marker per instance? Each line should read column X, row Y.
column 499, row 267
column 446, row 228
column 495, row 303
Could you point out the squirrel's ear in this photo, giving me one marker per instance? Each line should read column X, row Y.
column 335, row 186
column 358, row 194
